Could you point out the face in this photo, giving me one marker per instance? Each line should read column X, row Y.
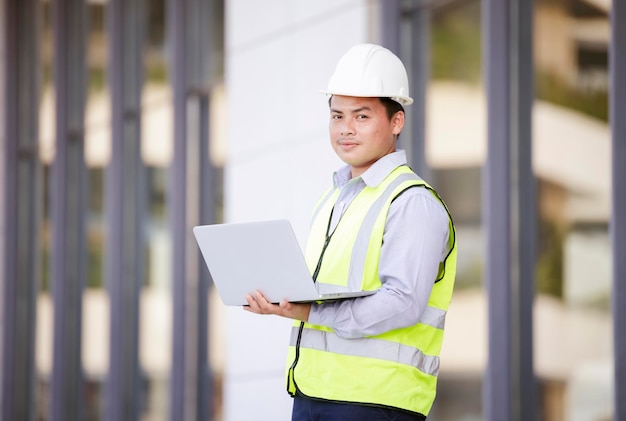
column 361, row 132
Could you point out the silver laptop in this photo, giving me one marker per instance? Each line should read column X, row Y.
column 264, row 256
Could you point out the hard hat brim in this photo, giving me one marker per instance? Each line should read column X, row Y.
column 401, row 99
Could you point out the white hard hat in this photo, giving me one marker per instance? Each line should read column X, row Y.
column 369, row 70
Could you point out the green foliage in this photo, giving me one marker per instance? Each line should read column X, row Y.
column 553, row 89
column 549, row 266
column 457, row 55
column 156, row 72
column 95, row 259
column 456, row 43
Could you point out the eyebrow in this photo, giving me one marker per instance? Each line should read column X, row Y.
column 355, row 111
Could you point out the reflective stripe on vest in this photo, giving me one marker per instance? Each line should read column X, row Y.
column 366, row 347
column 435, row 317
column 359, row 251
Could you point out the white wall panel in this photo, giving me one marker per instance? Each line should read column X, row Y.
column 279, row 54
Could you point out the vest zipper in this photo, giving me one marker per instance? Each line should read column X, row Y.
column 326, row 241
column 319, row 262
column 301, row 329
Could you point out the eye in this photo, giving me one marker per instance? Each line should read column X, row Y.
column 361, row 117
column 335, row 117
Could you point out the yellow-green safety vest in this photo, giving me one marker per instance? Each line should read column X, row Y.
column 395, row 369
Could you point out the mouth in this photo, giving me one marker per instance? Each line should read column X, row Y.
column 346, row 144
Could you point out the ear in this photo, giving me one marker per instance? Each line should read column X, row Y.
column 397, row 121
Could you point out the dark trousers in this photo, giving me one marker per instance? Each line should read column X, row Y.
column 305, row 409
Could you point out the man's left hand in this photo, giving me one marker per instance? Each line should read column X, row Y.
column 257, row 303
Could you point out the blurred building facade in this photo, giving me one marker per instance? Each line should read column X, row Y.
column 270, row 158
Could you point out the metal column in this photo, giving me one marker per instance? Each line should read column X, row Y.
column 390, row 25
column 190, row 200
column 509, row 210
column 419, row 18
column 617, row 59
column 68, row 207
column 125, row 208
column 416, row 56
column 21, row 205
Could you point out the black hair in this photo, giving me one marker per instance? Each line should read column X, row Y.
column 391, row 106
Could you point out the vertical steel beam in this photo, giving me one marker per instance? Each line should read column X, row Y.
column 617, row 59
column 509, row 210
column 177, row 205
column 68, row 207
column 125, row 208
column 390, row 24
column 206, row 186
column 417, row 53
column 21, row 205
column 191, row 204
column 419, row 18
column 524, row 215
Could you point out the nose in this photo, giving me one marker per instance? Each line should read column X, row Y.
column 347, row 128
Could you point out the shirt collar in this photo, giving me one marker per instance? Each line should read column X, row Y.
column 374, row 174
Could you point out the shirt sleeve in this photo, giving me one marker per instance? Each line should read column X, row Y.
column 415, row 241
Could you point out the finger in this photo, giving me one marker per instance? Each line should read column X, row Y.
column 260, row 298
column 253, row 304
column 263, row 302
column 250, row 299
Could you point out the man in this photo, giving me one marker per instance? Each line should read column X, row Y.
column 381, row 226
